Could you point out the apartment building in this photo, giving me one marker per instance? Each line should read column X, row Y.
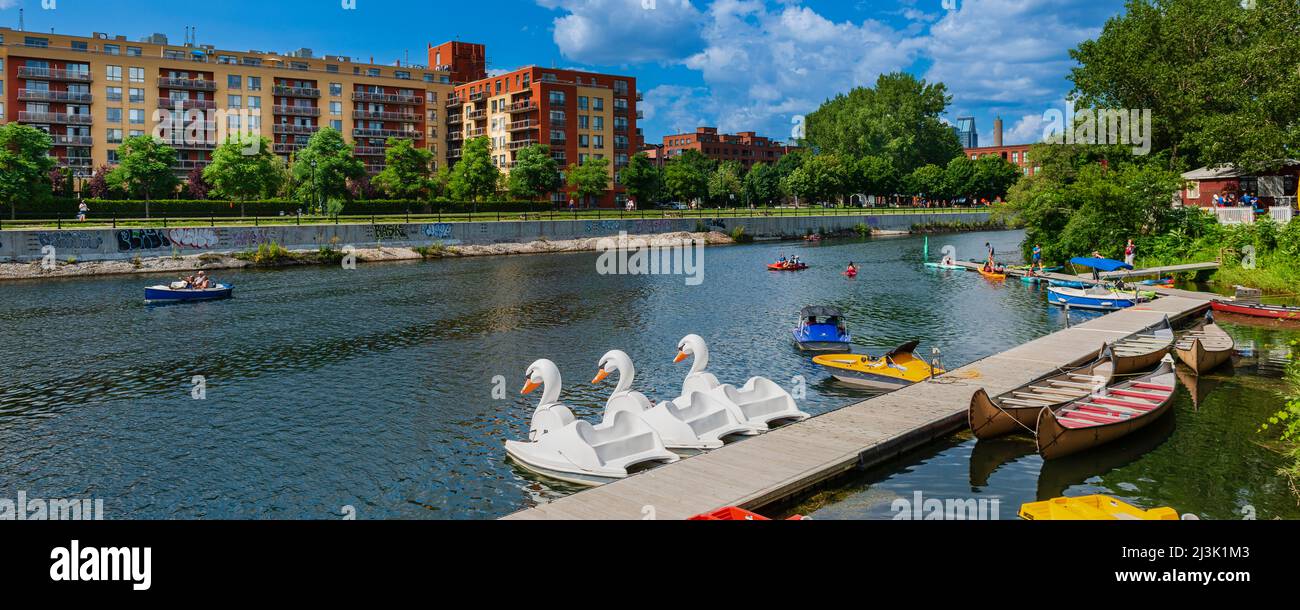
column 91, row 93
column 578, row 115
column 746, row 147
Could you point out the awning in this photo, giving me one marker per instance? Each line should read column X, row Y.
column 1101, row 264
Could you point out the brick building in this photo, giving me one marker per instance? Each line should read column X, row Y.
column 745, row 147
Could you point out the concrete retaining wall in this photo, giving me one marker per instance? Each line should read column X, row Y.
column 110, row 244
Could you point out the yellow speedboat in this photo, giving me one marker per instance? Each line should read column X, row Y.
column 1092, row 508
column 897, row 369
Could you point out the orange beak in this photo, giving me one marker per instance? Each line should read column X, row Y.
column 529, row 386
column 680, row 357
column 600, row 376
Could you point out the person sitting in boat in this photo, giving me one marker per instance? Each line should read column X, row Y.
column 852, row 268
column 201, row 281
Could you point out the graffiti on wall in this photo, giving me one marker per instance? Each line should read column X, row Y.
column 390, row 233
column 441, row 230
column 70, row 240
column 130, row 240
column 603, row 226
column 246, row 238
column 197, row 239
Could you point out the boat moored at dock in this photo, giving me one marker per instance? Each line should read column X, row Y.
column 1017, row 410
column 896, row 369
column 1108, row 415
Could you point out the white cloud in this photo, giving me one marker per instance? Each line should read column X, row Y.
column 679, row 109
column 7, row 4
column 613, row 32
column 1027, row 130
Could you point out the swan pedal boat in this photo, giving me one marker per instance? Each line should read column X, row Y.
column 760, row 404
column 829, row 335
column 1109, row 415
column 568, row 449
column 1092, row 508
column 895, row 370
column 1017, row 410
column 175, row 292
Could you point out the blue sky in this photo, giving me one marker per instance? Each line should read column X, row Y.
column 735, row 64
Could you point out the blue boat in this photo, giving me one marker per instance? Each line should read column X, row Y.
column 173, row 294
column 821, row 329
column 1097, row 297
column 1068, row 284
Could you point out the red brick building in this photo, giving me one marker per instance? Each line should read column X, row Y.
column 1017, row 154
column 745, row 147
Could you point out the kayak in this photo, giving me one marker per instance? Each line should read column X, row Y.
column 168, row 294
column 851, row 273
column 1092, row 508
column 992, row 276
column 780, row 267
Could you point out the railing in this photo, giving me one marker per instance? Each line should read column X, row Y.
column 54, row 74
column 386, row 116
column 369, row 151
column 206, row 143
column 66, row 140
column 187, row 164
column 1235, row 216
column 38, row 95
column 54, row 117
column 385, row 133
column 187, row 83
column 454, row 101
column 392, row 98
column 288, row 147
column 453, row 153
column 453, row 119
column 521, row 107
column 474, row 133
column 1282, row 214
column 523, row 125
column 284, row 91
column 188, row 104
column 455, row 136
column 76, row 161
column 518, row 144
column 475, row 115
column 301, row 130
column 297, row 110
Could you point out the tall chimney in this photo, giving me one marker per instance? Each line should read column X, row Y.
column 997, row 131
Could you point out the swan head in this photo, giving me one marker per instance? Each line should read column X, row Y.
column 616, row 361
column 546, row 375
column 693, row 346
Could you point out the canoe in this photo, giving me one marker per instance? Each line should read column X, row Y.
column 1205, row 348
column 167, row 294
column 1143, row 349
column 1258, row 310
column 1096, row 420
column 1017, row 410
column 1092, row 508
column 1104, row 299
column 897, row 369
column 780, row 267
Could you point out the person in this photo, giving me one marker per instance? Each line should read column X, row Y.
column 572, row 205
column 852, row 268
column 1096, row 274
column 1038, row 259
column 82, row 210
column 1130, row 253
column 201, row 281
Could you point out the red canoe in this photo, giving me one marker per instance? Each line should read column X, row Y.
column 1280, row 312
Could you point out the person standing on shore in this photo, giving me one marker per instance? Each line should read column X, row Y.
column 82, row 210
column 1037, row 263
column 1130, row 253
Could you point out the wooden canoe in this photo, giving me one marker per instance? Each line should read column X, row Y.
column 1097, row 420
column 1205, row 348
column 1143, row 349
column 1017, row 410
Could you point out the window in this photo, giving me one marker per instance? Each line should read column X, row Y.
column 402, row 75
column 33, row 41
column 112, row 49
column 598, row 103
column 582, row 103
column 134, row 51
column 137, row 75
column 137, row 95
column 254, row 101
column 136, row 116
column 135, row 133
column 332, row 68
column 79, row 45
column 113, row 73
column 336, row 89
column 372, row 71
column 114, row 115
column 336, row 124
column 557, row 98
column 598, row 123
column 584, row 140
column 336, row 108
column 114, row 94
column 234, row 81
column 584, row 121
column 254, row 83
column 428, row 78
column 234, row 101
column 114, row 135
column 598, row 141
column 251, row 61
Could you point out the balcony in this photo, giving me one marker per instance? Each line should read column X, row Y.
column 66, row 140
column 454, row 119
column 284, row 91
column 386, row 98
column 455, row 101
column 517, row 107
column 386, row 133
column 620, row 111
column 640, row 97
column 297, row 110
column 476, row 115
column 54, row 74
column 455, row 136
column 285, row 148
column 453, row 153
column 477, row 97
column 640, row 115
column 369, row 151
column 207, row 141
column 297, row 130
column 474, row 133
column 188, row 104
column 197, row 84
column 75, row 162
column 518, row 144
column 189, row 164
column 37, row 95
column 522, row 125
column 62, row 118
column 402, row 117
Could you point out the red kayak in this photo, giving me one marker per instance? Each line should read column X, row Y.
column 780, row 267
column 851, row 273
column 1258, row 310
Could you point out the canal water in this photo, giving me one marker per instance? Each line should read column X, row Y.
column 377, row 392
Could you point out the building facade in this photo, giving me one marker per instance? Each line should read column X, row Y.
column 578, row 115
column 1016, row 154
column 746, row 147
column 91, row 93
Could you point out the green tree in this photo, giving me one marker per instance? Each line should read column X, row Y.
column 960, row 177
column 643, row 179
column 25, row 165
column 240, row 176
column 535, row 173
column 145, row 167
column 821, row 179
column 407, row 170
column 994, row 176
column 591, row 179
column 898, row 119
column 475, row 176
column 928, row 181
column 725, row 183
column 686, row 176
column 875, row 175
column 1211, row 73
column 321, row 171
column 762, row 185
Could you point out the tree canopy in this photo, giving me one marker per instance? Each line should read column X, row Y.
column 240, row 176
column 590, row 179
column 535, row 173
column 322, row 169
column 145, row 167
column 475, row 176
column 407, row 172
column 643, row 179
column 25, row 165
column 686, row 176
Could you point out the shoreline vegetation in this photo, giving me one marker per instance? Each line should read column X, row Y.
column 1287, row 420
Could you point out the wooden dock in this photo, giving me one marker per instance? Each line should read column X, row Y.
column 777, row 465
column 1160, row 271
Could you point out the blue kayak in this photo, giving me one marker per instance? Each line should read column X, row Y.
column 822, row 329
column 167, row 294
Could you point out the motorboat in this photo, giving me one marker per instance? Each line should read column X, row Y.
column 563, row 447
column 177, row 292
column 896, row 369
column 1093, row 297
column 698, row 426
column 760, row 403
column 821, row 329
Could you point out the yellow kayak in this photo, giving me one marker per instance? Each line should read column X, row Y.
column 897, row 369
column 1092, row 508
